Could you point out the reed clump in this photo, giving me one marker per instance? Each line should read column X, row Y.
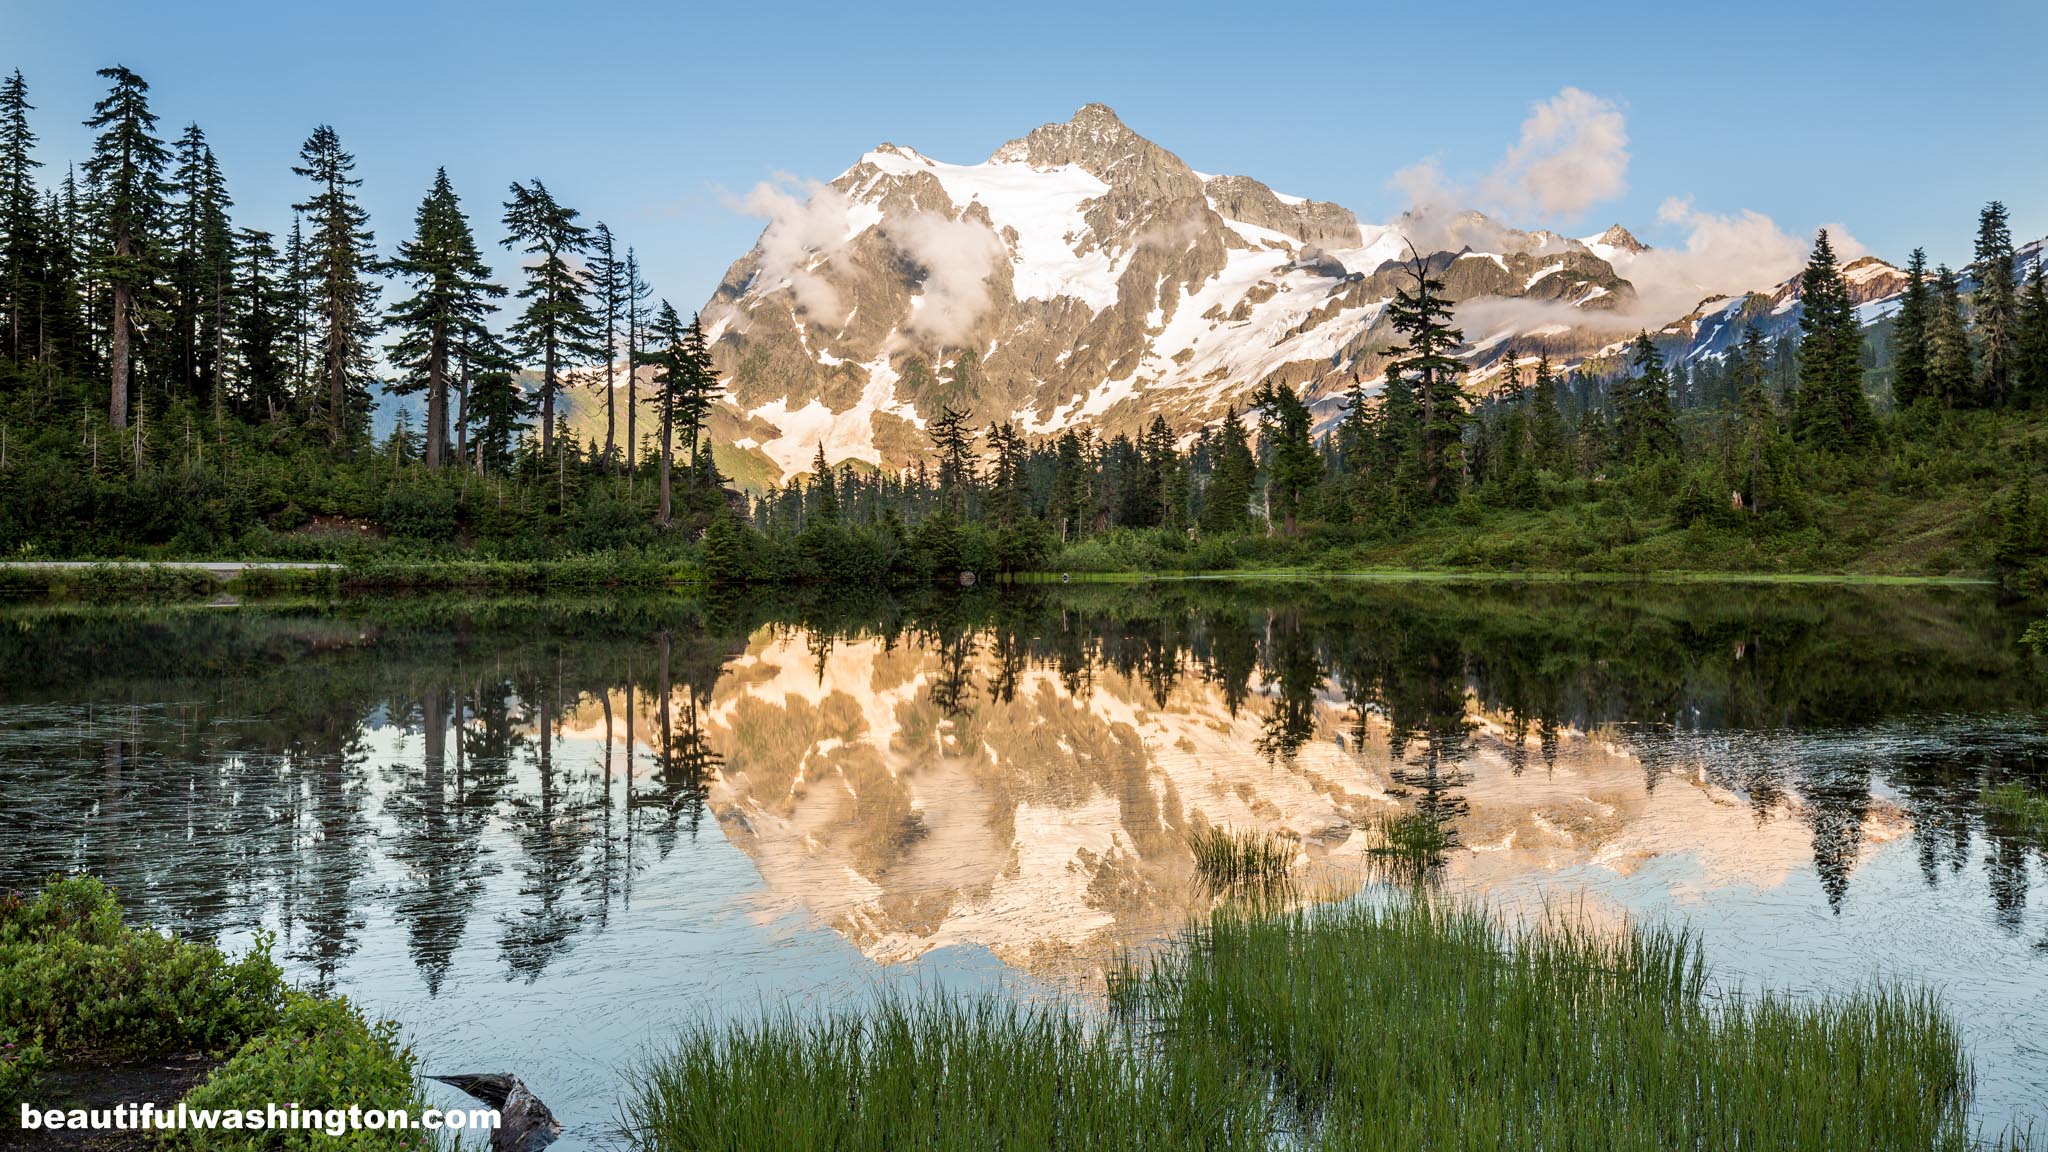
column 1408, row 1021
column 1229, row 858
column 933, row 1072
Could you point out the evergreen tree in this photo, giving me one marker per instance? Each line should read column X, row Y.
column 557, row 329
column 1995, row 307
column 635, row 292
column 1007, row 496
column 1951, row 372
column 1910, row 335
column 1423, row 315
column 202, row 269
column 1830, row 410
column 608, row 298
column 824, row 491
column 1070, row 496
column 342, row 298
column 1293, row 468
column 1169, row 476
column 680, row 364
column 126, row 175
column 261, row 313
column 1757, row 459
column 448, row 310
column 698, row 388
column 22, row 271
column 498, row 409
column 2033, row 339
column 1644, row 423
column 953, row 442
column 1226, row 506
column 1548, row 440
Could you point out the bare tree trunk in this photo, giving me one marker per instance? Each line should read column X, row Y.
column 117, row 397
column 437, row 400
column 667, row 451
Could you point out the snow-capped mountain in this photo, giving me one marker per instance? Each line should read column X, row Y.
column 1083, row 275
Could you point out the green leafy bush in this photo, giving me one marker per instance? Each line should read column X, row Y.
column 22, row 1062
column 321, row 1054
column 81, row 982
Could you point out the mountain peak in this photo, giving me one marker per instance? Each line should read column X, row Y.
column 1097, row 140
column 1618, row 237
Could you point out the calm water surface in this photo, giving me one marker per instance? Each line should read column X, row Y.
column 545, row 835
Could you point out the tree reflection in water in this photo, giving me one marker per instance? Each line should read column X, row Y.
column 306, row 767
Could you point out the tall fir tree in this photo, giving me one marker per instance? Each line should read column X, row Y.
column 1951, row 370
column 448, row 311
column 607, row 269
column 556, row 331
column 1995, row 307
column 1548, row 441
column 636, row 293
column 340, row 256
column 202, row 269
column 261, row 315
column 1830, row 410
column 1909, row 334
column 22, row 244
column 1645, row 426
column 125, row 174
column 2033, row 340
column 1293, row 468
column 1226, row 505
column 697, row 390
column 952, row 437
column 1423, row 315
column 498, row 409
column 681, row 364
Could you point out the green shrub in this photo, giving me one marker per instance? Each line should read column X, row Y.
column 321, row 1054
column 22, row 1063
column 77, row 979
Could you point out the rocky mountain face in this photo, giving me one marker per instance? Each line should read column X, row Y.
column 1083, row 275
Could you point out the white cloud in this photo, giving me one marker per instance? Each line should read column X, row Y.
column 957, row 257
column 1572, row 155
column 802, row 235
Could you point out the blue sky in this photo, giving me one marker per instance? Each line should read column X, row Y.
column 1897, row 120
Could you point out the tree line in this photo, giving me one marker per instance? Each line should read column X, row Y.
column 141, row 327
column 1730, row 439
column 171, row 381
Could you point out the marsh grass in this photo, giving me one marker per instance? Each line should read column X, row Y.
column 1228, row 858
column 934, row 1072
column 2019, row 807
column 1399, row 1023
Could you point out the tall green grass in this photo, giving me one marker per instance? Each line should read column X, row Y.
column 935, row 1072
column 1402, row 1023
column 1229, row 858
column 1417, row 1023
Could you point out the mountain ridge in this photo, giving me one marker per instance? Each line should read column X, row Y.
column 1084, row 275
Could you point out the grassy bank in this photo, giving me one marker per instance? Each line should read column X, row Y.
column 179, row 581
column 81, row 991
column 1403, row 1024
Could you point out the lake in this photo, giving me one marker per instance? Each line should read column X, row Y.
column 543, row 835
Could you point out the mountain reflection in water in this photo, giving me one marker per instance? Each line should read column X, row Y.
column 490, row 786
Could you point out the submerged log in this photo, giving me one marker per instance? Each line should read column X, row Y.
column 524, row 1123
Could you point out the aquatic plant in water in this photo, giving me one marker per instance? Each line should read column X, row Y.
column 1411, row 1022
